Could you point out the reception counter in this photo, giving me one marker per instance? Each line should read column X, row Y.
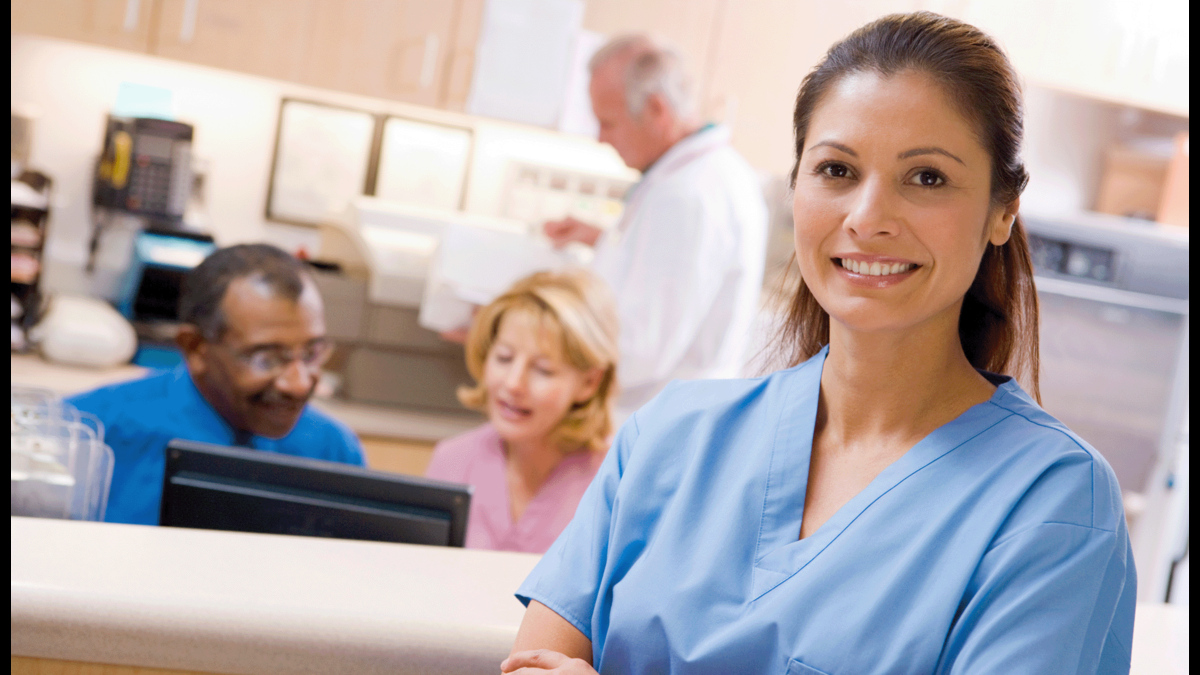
column 225, row 602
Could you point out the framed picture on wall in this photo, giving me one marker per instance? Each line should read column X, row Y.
column 323, row 159
column 423, row 163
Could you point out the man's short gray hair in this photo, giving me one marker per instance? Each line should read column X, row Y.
column 653, row 69
column 204, row 287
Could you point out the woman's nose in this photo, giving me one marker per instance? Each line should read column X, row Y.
column 516, row 377
column 873, row 210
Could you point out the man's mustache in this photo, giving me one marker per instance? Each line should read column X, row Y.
column 272, row 396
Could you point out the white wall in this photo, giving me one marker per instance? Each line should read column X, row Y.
column 71, row 87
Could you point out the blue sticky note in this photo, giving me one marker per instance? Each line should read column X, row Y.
column 142, row 100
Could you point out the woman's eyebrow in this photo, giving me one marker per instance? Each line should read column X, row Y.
column 834, row 144
column 934, row 150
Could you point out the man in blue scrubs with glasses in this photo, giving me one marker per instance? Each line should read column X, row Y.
column 253, row 339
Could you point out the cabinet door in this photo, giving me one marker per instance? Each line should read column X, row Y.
column 124, row 24
column 1129, row 53
column 263, row 37
column 394, row 49
column 460, row 64
column 764, row 48
column 688, row 25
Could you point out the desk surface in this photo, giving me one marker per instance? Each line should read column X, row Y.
column 225, row 602
column 366, row 420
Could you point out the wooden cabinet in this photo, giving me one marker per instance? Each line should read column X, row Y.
column 763, row 51
column 1129, row 53
column 263, row 37
column 460, row 63
column 686, row 24
column 396, row 49
column 747, row 56
column 125, row 24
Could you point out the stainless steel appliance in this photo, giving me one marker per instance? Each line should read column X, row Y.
column 1114, row 349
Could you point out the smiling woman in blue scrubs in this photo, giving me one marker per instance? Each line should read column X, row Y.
column 890, row 504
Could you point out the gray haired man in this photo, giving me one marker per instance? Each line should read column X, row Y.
column 686, row 260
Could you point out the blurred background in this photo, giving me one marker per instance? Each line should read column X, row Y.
column 145, row 132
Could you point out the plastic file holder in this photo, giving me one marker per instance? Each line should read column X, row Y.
column 61, row 467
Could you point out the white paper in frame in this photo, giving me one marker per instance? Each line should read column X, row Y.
column 423, row 163
column 322, row 154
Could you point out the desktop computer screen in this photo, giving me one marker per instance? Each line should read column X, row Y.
column 214, row 487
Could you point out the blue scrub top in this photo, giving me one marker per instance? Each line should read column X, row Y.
column 140, row 417
column 995, row 545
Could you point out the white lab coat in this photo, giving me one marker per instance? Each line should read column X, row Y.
column 686, row 266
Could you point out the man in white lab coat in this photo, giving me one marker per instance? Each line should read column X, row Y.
column 686, row 260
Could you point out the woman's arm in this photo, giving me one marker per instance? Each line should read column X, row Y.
column 542, row 628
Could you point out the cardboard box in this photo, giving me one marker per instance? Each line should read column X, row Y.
column 1132, row 182
column 1173, row 208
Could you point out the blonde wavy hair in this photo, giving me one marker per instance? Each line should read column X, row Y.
column 576, row 310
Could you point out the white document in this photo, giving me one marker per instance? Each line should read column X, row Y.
column 320, row 161
column 475, row 265
column 523, row 59
column 423, row 164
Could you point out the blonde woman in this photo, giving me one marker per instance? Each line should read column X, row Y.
column 544, row 358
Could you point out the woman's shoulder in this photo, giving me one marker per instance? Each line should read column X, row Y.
column 452, row 456
column 1039, row 427
column 1062, row 462
column 690, row 401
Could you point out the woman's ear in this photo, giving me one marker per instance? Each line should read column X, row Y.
column 1000, row 229
column 590, row 384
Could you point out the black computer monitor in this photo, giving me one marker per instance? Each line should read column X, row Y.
column 219, row 488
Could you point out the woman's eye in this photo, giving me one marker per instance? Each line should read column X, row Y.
column 833, row 170
column 929, row 178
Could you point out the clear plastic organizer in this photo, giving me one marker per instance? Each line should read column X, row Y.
column 61, row 467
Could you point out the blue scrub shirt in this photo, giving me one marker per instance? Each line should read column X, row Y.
column 997, row 544
column 140, row 417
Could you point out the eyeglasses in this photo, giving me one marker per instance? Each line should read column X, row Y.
column 271, row 361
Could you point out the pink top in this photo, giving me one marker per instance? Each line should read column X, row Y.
column 477, row 458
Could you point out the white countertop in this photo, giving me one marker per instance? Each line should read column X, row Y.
column 365, row 420
column 251, row 604
column 239, row 603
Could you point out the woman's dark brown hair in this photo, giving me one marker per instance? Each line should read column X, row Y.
column 998, row 325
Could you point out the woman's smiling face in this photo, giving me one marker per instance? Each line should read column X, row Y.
column 892, row 203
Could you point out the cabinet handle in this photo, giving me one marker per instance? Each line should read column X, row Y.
column 187, row 27
column 132, row 8
column 429, row 60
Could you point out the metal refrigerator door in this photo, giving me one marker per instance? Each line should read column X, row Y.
column 1107, row 373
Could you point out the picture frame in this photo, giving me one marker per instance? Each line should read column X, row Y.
column 325, row 156
column 423, row 163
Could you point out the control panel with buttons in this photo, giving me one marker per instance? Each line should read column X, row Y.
column 1070, row 259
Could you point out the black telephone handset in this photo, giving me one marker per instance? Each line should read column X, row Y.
column 146, row 167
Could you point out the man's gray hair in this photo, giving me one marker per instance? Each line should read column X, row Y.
column 204, row 287
column 653, row 69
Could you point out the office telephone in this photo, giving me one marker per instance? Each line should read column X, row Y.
column 145, row 167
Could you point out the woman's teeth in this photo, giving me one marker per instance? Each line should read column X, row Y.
column 875, row 269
